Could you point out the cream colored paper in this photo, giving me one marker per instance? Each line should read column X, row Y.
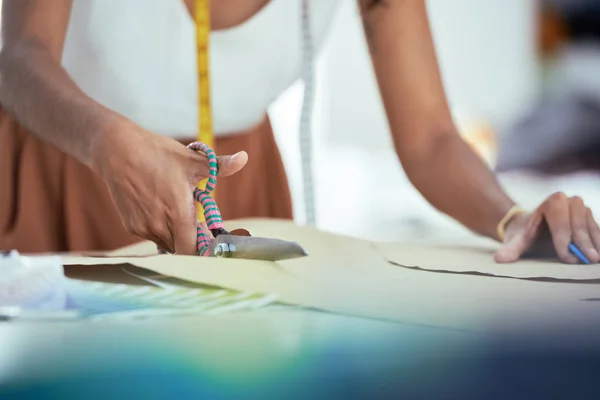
column 480, row 259
column 352, row 276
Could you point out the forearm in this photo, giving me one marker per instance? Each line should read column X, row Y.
column 41, row 96
column 437, row 161
column 457, row 182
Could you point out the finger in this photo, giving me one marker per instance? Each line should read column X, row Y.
column 147, row 233
column 161, row 235
column 202, row 228
column 594, row 229
column 205, row 229
column 229, row 165
column 513, row 250
column 182, row 223
column 240, row 232
column 580, row 230
column 557, row 215
column 161, row 244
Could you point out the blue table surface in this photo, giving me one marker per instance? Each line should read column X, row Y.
column 289, row 354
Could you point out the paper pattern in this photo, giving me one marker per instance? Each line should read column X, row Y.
column 352, row 276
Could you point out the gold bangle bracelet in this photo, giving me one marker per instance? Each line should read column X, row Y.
column 513, row 212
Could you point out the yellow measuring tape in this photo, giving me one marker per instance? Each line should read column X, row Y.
column 205, row 125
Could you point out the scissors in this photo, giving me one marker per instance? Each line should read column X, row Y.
column 239, row 243
column 227, row 245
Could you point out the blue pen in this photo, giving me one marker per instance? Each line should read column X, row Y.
column 575, row 250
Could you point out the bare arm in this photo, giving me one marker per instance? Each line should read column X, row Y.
column 34, row 87
column 150, row 178
column 436, row 160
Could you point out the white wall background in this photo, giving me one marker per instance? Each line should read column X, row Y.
column 486, row 52
column 485, row 48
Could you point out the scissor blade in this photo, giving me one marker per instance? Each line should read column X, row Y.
column 257, row 248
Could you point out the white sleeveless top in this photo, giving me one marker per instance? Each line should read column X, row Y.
column 138, row 57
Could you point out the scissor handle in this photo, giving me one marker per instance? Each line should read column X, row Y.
column 212, row 215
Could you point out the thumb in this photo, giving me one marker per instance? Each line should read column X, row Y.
column 517, row 245
column 512, row 250
column 229, row 165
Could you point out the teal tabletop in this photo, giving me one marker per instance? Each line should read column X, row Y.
column 287, row 354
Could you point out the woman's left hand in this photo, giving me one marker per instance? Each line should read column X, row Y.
column 548, row 231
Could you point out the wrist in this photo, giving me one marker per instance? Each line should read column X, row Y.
column 117, row 138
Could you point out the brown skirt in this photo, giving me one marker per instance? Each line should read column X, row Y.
column 49, row 202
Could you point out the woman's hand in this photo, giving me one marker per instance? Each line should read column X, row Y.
column 151, row 180
column 550, row 229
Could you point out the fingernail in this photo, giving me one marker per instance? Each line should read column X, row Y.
column 234, row 156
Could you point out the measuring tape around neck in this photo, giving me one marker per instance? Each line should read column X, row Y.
column 202, row 18
column 205, row 125
column 305, row 131
column 205, row 128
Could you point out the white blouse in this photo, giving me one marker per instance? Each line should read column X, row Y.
column 138, row 57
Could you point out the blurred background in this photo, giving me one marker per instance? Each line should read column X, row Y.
column 521, row 77
column 513, row 72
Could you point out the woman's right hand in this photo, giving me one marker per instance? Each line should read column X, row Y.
column 151, row 179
